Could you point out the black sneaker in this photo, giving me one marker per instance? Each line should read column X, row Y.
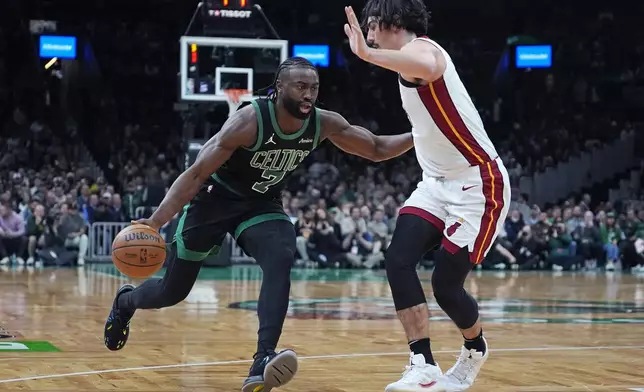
column 271, row 371
column 117, row 326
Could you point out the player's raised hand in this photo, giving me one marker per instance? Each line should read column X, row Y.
column 354, row 33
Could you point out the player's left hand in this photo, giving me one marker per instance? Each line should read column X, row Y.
column 354, row 33
column 148, row 222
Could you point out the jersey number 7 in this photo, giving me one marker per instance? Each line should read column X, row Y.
column 273, row 177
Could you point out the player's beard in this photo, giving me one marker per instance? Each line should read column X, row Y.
column 292, row 106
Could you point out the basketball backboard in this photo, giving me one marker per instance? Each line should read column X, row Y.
column 211, row 65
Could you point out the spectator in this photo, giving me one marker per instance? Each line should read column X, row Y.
column 116, row 209
column 633, row 228
column 102, row 211
column 589, row 241
column 324, row 244
column 560, row 256
column 527, row 248
column 12, row 235
column 133, row 199
column 353, row 223
column 611, row 236
column 303, row 229
column 521, row 204
column 630, row 224
column 363, row 250
column 575, row 219
column 72, row 230
column 513, row 225
column 638, row 256
column 36, row 227
column 83, row 198
column 535, row 213
column 379, row 228
column 365, row 213
column 90, row 208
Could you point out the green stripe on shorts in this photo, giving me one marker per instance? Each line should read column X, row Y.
column 259, row 219
column 183, row 252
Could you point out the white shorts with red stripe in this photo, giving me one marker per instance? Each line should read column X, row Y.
column 469, row 208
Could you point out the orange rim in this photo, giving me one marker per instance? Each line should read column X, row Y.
column 235, row 94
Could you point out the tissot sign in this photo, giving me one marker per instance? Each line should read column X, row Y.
column 234, row 14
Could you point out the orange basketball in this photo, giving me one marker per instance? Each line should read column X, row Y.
column 138, row 251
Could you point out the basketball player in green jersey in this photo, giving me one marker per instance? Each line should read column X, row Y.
column 234, row 187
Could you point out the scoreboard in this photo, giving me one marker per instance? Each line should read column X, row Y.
column 229, row 17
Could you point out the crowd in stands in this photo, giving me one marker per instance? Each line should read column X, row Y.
column 351, row 227
column 48, row 200
column 344, row 208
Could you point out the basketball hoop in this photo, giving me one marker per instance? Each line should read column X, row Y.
column 235, row 98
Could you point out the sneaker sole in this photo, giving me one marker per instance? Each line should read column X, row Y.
column 278, row 372
column 410, row 388
column 120, row 291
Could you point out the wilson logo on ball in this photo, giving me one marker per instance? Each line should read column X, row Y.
column 141, row 236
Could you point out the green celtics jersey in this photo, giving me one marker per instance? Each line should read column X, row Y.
column 262, row 170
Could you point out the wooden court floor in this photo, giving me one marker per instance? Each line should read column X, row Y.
column 566, row 332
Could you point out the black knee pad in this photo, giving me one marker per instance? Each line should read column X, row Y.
column 448, row 278
column 398, row 268
column 406, row 288
column 396, row 261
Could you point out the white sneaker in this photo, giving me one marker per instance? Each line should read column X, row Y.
column 20, row 261
column 462, row 375
column 30, row 261
column 610, row 265
column 4, row 261
column 418, row 377
column 80, row 262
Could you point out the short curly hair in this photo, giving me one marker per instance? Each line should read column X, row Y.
column 411, row 15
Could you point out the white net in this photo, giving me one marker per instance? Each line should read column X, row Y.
column 235, row 97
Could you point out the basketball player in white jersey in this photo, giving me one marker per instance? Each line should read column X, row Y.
column 461, row 202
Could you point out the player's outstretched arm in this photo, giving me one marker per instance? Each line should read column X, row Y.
column 416, row 60
column 239, row 130
column 359, row 141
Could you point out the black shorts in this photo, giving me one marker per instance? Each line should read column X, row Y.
column 215, row 212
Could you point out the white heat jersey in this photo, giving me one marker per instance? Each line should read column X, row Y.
column 448, row 132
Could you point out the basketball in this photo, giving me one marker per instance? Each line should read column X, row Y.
column 138, row 251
